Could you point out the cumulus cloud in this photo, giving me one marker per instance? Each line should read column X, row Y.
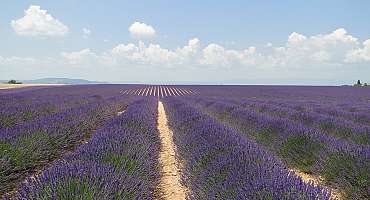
column 217, row 56
column 79, row 57
column 300, row 52
column 155, row 54
column 141, row 30
column 37, row 22
column 296, row 38
column 151, row 54
column 360, row 54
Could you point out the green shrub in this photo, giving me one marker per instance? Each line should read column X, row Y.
column 301, row 152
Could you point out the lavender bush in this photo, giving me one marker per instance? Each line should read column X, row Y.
column 118, row 162
column 307, row 149
column 221, row 164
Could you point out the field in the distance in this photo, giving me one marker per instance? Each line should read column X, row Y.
column 177, row 142
column 12, row 86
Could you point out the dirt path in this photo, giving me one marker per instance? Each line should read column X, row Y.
column 307, row 178
column 12, row 86
column 170, row 185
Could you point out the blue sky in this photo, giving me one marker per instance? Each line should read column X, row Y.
column 247, row 42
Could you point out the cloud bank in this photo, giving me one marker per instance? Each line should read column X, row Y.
column 335, row 54
column 337, row 48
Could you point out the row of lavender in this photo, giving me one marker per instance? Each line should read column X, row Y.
column 18, row 108
column 338, row 127
column 219, row 163
column 347, row 102
column 31, row 145
column 310, row 150
column 118, row 162
column 358, row 113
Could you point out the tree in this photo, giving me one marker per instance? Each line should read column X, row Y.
column 14, row 82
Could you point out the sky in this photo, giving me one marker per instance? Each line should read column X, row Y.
column 317, row 42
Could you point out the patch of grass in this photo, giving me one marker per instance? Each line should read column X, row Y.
column 27, row 151
column 345, row 133
column 228, row 193
column 206, row 158
column 11, row 152
column 121, row 162
column 301, row 152
column 362, row 139
column 138, row 126
column 266, row 136
column 49, row 109
column 327, row 126
column 69, row 188
column 352, row 176
column 27, row 115
column 8, row 121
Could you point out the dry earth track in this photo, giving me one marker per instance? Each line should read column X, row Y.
column 170, row 186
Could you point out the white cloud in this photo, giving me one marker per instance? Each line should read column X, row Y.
column 299, row 52
column 296, row 38
column 323, row 51
column 335, row 55
column 190, row 49
column 152, row 54
column 216, row 55
column 155, row 54
column 86, row 33
column 79, row 57
column 37, row 22
column 360, row 54
column 141, row 30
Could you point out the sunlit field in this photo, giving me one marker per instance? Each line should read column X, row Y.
column 182, row 141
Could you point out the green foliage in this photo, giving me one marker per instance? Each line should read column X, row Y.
column 71, row 189
column 301, row 152
column 361, row 138
column 7, row 121
column 22, row 156
column 121, row 162
column 266, row 136
column 349, row 173
column 344, row 133
column 27, row 151
column 14, row 82
column 27, row 115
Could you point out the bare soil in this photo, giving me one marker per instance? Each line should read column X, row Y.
column 170, row 186
column 309, row 178
column 11, row 86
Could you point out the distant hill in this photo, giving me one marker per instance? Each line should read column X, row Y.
column 60, row 81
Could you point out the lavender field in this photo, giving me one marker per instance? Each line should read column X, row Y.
column 185, row 142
